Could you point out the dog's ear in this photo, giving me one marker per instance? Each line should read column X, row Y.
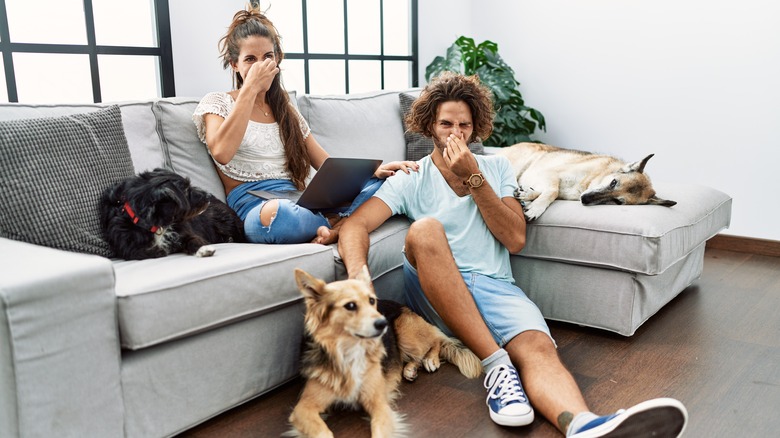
column 655, row 200
column 113, row 193
column 197, row 197
column 310, row 286
column 638, row 166
column 364, row 276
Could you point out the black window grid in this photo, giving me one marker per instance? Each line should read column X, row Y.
column 306, row 56
column 164, row 51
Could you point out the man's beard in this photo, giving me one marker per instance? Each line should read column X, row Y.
column 437, row 144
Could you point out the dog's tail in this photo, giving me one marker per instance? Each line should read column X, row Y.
column 454, row 352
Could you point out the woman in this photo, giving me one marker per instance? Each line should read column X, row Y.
column 259, row 141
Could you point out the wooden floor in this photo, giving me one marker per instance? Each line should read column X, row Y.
column 716, row 347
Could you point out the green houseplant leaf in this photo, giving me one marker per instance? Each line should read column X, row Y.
column 515, row 122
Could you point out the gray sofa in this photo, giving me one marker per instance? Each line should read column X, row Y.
column 97, row 346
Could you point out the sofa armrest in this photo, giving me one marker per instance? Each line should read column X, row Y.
column 59, row 344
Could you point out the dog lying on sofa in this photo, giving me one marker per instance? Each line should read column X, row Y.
column 546, row 173
column 159, row 212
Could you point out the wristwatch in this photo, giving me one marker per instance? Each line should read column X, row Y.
column 475, row 180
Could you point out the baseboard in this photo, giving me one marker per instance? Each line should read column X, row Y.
column 745, row 244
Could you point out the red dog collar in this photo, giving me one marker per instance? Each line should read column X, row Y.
column 136, row 219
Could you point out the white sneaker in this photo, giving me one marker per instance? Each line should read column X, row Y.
column 506, row 400
column 660, row 417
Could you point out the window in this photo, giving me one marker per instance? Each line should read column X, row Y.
column 85, row 50
column 347, row 46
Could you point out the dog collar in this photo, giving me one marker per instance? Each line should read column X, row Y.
column 129, row 210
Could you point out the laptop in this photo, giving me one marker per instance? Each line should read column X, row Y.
column 335, row 185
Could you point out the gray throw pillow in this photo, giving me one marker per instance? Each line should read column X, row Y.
column 417, row 145
column 52, row 173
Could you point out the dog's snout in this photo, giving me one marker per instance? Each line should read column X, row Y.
column 380, row 324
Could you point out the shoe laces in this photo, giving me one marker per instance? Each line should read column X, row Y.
column 503, row 383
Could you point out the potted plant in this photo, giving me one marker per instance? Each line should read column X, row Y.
column 514, row 122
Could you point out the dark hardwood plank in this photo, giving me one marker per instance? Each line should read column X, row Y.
column 715, row 347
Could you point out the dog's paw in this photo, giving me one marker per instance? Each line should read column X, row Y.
column 431, row 364
column 525, row 194
column 205, row 251
column 295, row 433
column 410, row 371
column 519, row 194
column 533, row 211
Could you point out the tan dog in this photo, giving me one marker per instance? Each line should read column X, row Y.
column 351, row 357
column 546, row 173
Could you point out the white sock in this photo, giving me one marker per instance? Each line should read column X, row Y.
column 499, row 357
column 580, row 420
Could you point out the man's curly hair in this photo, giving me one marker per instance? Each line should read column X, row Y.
column 453, row 87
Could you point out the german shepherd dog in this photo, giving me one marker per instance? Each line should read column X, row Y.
column 159, row 212
column 358, row 347
column 546, row 173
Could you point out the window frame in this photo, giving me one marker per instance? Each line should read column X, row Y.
column 306, row 56
column 164, row 50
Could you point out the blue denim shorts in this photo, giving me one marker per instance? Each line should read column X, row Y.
column 504, row 307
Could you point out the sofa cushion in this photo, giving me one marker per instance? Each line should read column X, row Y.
column 608, row 299
column 137, row 118
column 646, row 239
column 188, row 155
column 180, row 295
column 417, row 145
column 366, row 125
column 177, row 385
column 52, row 173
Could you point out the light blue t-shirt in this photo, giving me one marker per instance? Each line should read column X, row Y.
column 425, row 193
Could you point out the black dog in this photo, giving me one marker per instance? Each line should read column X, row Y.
column 158, row 212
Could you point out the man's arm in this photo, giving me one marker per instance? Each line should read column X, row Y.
column 353, row 235
column 504, row 217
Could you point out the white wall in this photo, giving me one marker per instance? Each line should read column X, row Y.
column 196, row 27
column 440, row 23
column 695, row 82
column 692, row 81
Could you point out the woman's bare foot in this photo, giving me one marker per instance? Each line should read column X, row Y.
column 323, row 235
column 327, row 236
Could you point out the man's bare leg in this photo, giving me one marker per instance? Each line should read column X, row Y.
column 429, row 252
column 549, row 384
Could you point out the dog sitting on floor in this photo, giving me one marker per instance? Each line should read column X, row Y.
column 159, row 212
column 546, row 173
column 357, row 349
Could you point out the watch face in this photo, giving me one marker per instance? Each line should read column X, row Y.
column 476, row 180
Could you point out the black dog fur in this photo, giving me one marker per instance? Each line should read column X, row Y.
column 166, row 215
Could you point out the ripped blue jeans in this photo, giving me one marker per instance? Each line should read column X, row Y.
column 292, row 223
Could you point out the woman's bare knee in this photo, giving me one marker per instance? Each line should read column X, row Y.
column 268, row 212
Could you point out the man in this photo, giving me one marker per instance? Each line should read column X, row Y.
column 457, row 273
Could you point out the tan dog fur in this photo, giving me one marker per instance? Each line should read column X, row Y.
column 343, row 359
column 546, row 173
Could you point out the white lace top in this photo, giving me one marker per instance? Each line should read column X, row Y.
column 261, row 153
